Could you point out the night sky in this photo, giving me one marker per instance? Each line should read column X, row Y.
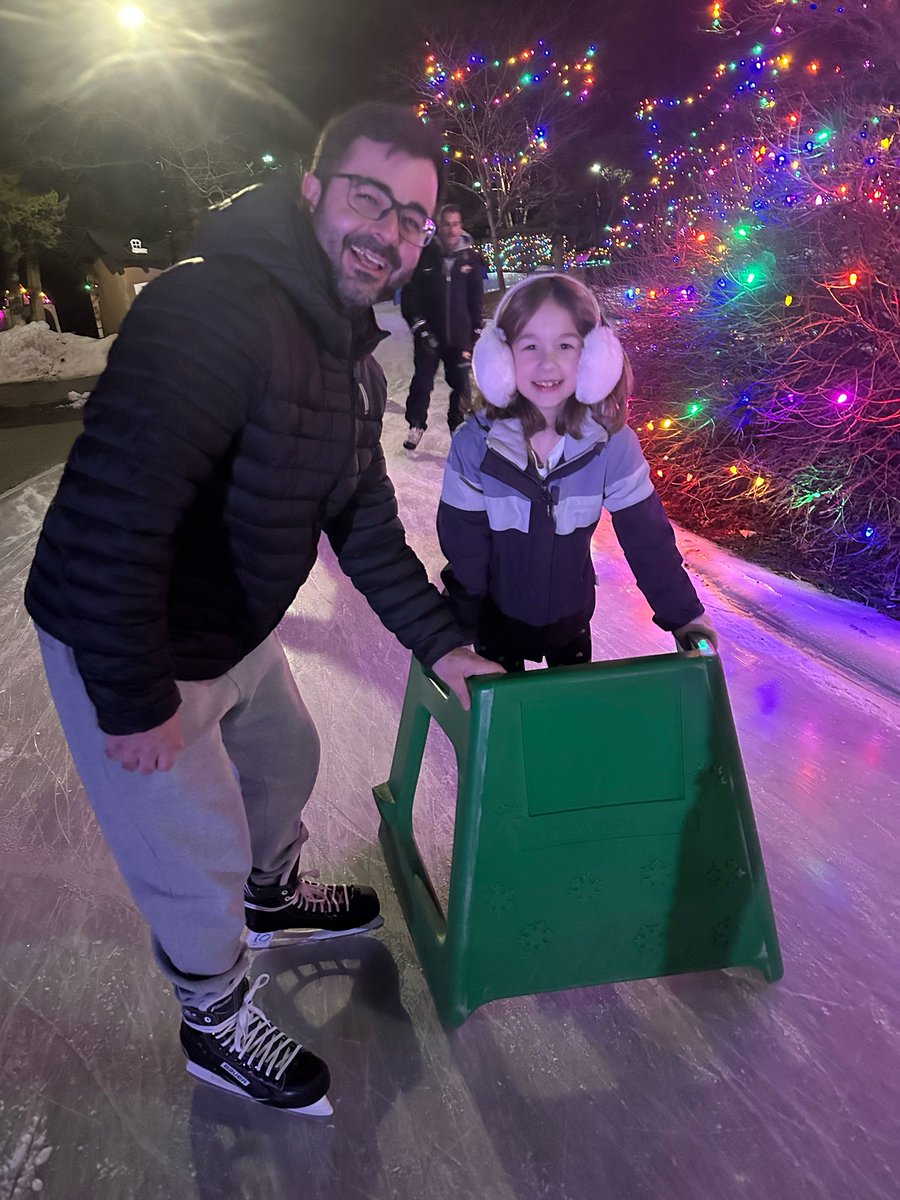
column 323, row 55
column 326, row 55
column 63, row 65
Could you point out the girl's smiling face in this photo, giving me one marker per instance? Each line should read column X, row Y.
column 546, row 355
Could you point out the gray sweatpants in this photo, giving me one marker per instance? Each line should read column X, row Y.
column 186, row 840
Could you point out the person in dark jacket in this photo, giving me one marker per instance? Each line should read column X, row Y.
column 442, row 305
column 217, row 448
column 528, row 478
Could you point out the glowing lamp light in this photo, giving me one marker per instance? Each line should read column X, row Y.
column 842, row 397
column 650, row 426
column 694, row 409
column 788, row 300
column 853, row 278
column 130, row 16
column 733, row 469
column 659, row 472
column 741, row 232
column 666, row 423
column 819, row 200
column 868, row 532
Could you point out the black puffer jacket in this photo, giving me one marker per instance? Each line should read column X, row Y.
column 238, row 418
column 447, row 293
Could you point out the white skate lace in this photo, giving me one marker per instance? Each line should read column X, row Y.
column 322, row 897
column 255, row 1040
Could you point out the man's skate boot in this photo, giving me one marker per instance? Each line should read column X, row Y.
column 298, row 909
column 413, row 437
column 234, row 1046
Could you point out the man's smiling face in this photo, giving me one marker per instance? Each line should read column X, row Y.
column 369, row 258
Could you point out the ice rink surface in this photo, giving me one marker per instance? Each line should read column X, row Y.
column 690, row 1087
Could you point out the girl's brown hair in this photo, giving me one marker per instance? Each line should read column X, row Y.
column 574, row 297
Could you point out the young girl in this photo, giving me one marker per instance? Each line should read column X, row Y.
column 528, row 477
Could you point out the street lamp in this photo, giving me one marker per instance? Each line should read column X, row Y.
column 131, row 17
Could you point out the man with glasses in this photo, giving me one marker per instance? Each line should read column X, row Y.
column 442, row 304
column 217, row 448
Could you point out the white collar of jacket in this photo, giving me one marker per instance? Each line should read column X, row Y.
column 506, row 438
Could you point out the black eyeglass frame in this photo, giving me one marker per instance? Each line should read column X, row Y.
column 393, row 205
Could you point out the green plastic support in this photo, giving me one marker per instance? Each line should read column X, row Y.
column 604, row 831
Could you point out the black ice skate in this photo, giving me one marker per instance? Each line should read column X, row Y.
column 413, row 437
column 234, row 1046
column 300, row 909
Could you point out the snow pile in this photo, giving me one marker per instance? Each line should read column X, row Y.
column 35, row 351
column 76, row 400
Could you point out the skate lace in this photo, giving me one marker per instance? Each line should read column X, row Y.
column 322, row 897
column 253, row 1038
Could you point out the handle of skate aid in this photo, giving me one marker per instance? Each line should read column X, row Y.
column 439, row 686
column 696, row 641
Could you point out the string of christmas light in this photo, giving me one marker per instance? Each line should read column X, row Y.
column 763, row 297
column 501, row 79
column 520, row 252
column 503, row 117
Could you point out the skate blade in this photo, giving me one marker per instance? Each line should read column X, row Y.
column 320, row 1108
column 299, row 937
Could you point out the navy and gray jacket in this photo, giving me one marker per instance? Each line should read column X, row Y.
column 446, row 292
column 525, row 542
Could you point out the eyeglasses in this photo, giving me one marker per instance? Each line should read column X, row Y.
column 373, row 201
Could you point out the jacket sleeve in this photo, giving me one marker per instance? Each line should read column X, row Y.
column 646, row 535
column 371, row 546
column 476, row 292
column 175, row 392
column 464, row 533
column 412, row 304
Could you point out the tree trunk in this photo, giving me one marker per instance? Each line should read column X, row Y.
column 495, row 242
column 33, row 283
column 558, row 250
column 16, row 307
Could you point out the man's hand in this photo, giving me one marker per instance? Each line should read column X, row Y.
column 421, row 331
column 153, row 750
column 700, row 627
column 454, row 668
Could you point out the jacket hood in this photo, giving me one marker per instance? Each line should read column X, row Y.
column 267, row 225
column 466, row 242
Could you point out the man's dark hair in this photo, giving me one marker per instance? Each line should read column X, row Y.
column 389, row 124
column 450, row 208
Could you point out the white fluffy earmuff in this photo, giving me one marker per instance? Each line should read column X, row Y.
column 493, row 366
column 599, row 369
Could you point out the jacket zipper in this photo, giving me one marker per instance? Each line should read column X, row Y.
column 360, row 388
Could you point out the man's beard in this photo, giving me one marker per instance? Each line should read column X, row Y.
column 353, row 291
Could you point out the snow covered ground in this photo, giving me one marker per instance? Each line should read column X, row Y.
column 713, row 1085
column 35, row 351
